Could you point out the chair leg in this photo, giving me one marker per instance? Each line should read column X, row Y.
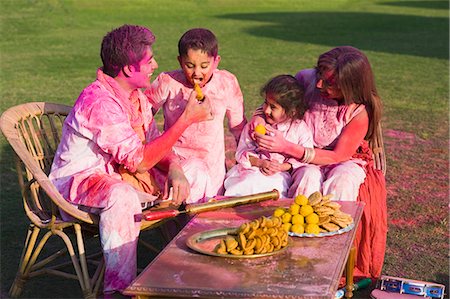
column 28, row 266
column 88, row 287
column 76, row 264
column 82, row 255
column 97, row 279
column 21, row 276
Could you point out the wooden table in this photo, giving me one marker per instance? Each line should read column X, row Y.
column 308, row 268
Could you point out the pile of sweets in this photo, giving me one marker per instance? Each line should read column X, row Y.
column 313, row 215
column 260, row 236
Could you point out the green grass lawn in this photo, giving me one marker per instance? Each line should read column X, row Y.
column 50, row 52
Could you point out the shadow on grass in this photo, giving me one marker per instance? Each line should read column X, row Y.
column 397, row 34
column 430, row 4
column 13, row 226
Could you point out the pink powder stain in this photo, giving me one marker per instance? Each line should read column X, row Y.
column 400, row 134
column 403, row 222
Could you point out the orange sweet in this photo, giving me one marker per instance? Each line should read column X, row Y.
column 198, row 90
column 260, row 129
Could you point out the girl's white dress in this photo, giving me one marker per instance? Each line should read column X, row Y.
column 245, row 179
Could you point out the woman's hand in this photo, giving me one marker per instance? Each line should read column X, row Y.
column 273, row 141
column 179, row 184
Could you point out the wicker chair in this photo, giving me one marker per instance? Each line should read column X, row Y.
column 33, row 130
column 379, row 156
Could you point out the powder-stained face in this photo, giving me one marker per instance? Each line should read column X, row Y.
column 326, row 82
column 198, row 66
column 140, row 78
column 273, row 111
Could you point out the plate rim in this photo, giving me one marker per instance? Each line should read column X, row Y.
column 327, row 234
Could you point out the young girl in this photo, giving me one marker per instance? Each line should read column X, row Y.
column 344, row 111
column 258, row 170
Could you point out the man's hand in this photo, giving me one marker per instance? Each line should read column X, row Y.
column 179, row 184
column 196, row 111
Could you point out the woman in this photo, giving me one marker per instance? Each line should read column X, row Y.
column 344, row 111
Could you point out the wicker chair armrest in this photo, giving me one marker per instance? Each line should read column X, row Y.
column 7, row 125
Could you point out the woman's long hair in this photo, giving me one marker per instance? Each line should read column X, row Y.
column 354, row 77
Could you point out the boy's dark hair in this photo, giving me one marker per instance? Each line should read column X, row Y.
column 124, row 46
column 288, row 93
column 198, row 39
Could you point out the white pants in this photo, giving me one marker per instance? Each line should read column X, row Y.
column 341, row 179
column 240, row 181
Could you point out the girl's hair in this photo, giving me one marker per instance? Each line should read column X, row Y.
column 124, row 46
column 353, row 76
column 288, row 93
column 198, row 39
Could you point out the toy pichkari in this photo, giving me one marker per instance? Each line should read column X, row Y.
column 212, row 205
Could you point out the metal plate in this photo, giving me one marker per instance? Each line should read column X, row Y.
column 327, row 234
column 205, row 242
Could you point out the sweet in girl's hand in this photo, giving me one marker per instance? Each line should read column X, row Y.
column 260, row 129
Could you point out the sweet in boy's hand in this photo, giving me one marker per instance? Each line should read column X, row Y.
column 200, row 97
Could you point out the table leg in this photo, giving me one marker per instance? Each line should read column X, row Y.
column 349, row 272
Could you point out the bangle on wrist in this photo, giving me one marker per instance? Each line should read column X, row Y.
column 308, row 155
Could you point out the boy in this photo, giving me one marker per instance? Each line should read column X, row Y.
column 201, row 148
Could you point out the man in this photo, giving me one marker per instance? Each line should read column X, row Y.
column 111, row 131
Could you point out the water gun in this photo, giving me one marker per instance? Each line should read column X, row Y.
column 228, row 202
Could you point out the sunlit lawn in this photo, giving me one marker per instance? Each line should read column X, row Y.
column 50, row 52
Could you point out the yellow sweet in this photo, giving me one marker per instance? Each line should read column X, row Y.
column 260, row 129
column 294, row 209
column 286, row 218
column 286, row 226
column 312, row 218
column 305, row 210
column 297, row 219
column 278, row 212
column 198, row 90
column 312, row 229
column 297, row 229
column 301, row 200
column 259, row 236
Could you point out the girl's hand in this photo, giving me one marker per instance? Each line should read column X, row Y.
column 269, row 167
column 273, row 141
column 256, row 120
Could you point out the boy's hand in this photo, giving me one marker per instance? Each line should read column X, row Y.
column 196, row 111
